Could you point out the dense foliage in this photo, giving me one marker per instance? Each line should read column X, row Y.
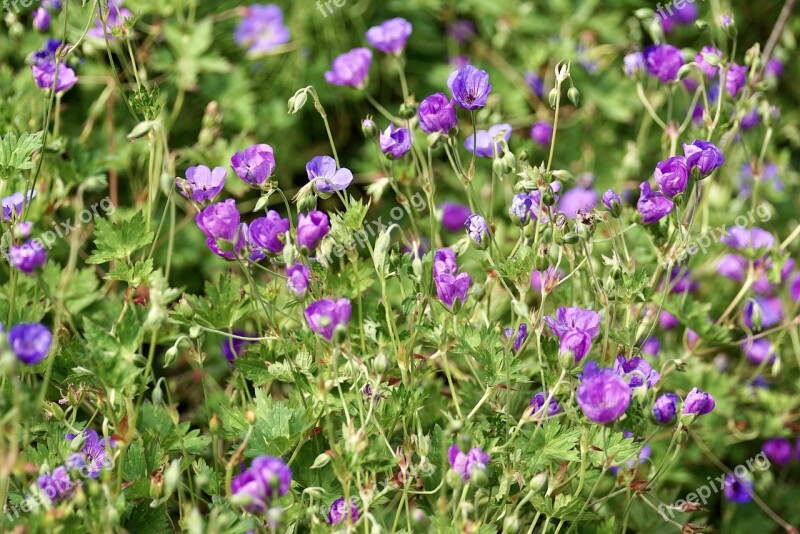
column 501, row 267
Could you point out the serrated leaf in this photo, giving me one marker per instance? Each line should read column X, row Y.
column 117, row 241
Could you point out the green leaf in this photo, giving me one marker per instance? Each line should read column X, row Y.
column 117, row 241
column 132, row 274
column 16, row 153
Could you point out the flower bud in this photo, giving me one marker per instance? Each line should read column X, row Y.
column 464, row 442
column 552, row 97
column 538, row 482
column 478, row 477
column 574, row 95
column 368, row 127
column 250, row 416
column 407, row 111
column 453, row 479
column 511, row 524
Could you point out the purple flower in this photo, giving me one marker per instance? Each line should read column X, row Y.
column 758, row 350
column 461, row 30
column 201, row 183
column 232, row 347
column 390, row 36
column 470, row 87
column 633, row 64
column 267, row 478
column 395, row 142
column 725, row 21
column 30, row 342
column 778, row 450
column 41, row 19
column 750, row 120
column 255, row 164
column 94, row 454
column 542, row 133
column 323, row 316
column 56, row 485
column 738, row 490
column 450, row 288
column 339, row 511
column 265, row 232
column 636, row 372
column 53, row 5
column 444, row 262
column 675, row 16
column 653, row 206
column 602, row 394
column 681, row 281
column 709, row 70
column 454, row 216
column 350, row 68
column 465, row 463
column 698, row 402
column 732, row 266
column 520, row 210
column 774, row 68
column 46, row 72
column 651, row 346
column 631, row 464
column 577, row 199
column 326, row 177
column 485, row 140
column 298, row 275
column 574, row 318
column 220, row 220
column 437, row 114
column 519, row 339
column 575, row 342
column 663, row 62
column 477, row 228
column 703, row 155
column 794, row 288
column 736, row 79
column 672, row 175
column 535, row 83
column 261, row 29
column 27, row 256
column 749, row 239
column 768, row 312
column 665, row 408
column 14, row 204
column 537, row 402
column 545, row 281
column 116, row 19
column 667, row 320
column 612, row 202
column 312, row 228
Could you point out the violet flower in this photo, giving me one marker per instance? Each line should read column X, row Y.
column 437, row 114
column 653, row 206
column 340, row 511
column 326, row 176
column 542, row 133
column 261, row 30
column 312, row 228
column 485, row 140
column 537, row 403
column 602, row 394
column 267, row 479
column 665, row 408
column 324, row 316
column 698, row 403
column 30, row 342
column 266, row 234
column 470, row 87
column 255, row 164
column 778, row 450
column 390, row 36
column 466, row 463
column 95, row 458
column 672, row 176
column 395, row 142
column 351, row 68
column 454, row 216
column 663, row 62
column 28, row 256
column 738, row 490
column 637, row 372
column 201, row 183
column 298, row 275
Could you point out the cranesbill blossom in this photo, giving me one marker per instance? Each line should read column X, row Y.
column 542, row 133
column 698, row 402
column 324, row 316
column 116, row 18
column 14, row 204
column 266, row 234
column 666, row 408
column 672, row 176
column 466, row 463
column 255, row 164
column 575, row 343
column 753, row 239
column 633, row 64
column 326, row 176
column 390, row 36
column 94, row 454
column 56, row 485
column 758, row 350
column 653, row 206
column 339, row 511
column 535, row 83
column 703, row 157
column 736, row 79
column 47, row 71
column 312, row 228
column 30, row 342
column 519, row 338
column 708, row 69
column 612, row 202
column 28, row 256
column 232, row 347
column 574, row 318
column 444, row 262
column 545, row 281
column 437, row 114
column 261, row 29
column 663, row 62
column 298, row 275
column 454, row 216
column 577, row 199
column 737, row 489
column 470, row 87
column 477, row 228
column 350, row 68
column 778, row 450
column 520, row 210
column 485, row 142
column 395, row 142
column 41, row 19
column 267, row 479
column 763, row 312
column 450, row 287
column 201, row 183
column 676, row 16
column 537, row 402
column 637, row 372
column 602, row 394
